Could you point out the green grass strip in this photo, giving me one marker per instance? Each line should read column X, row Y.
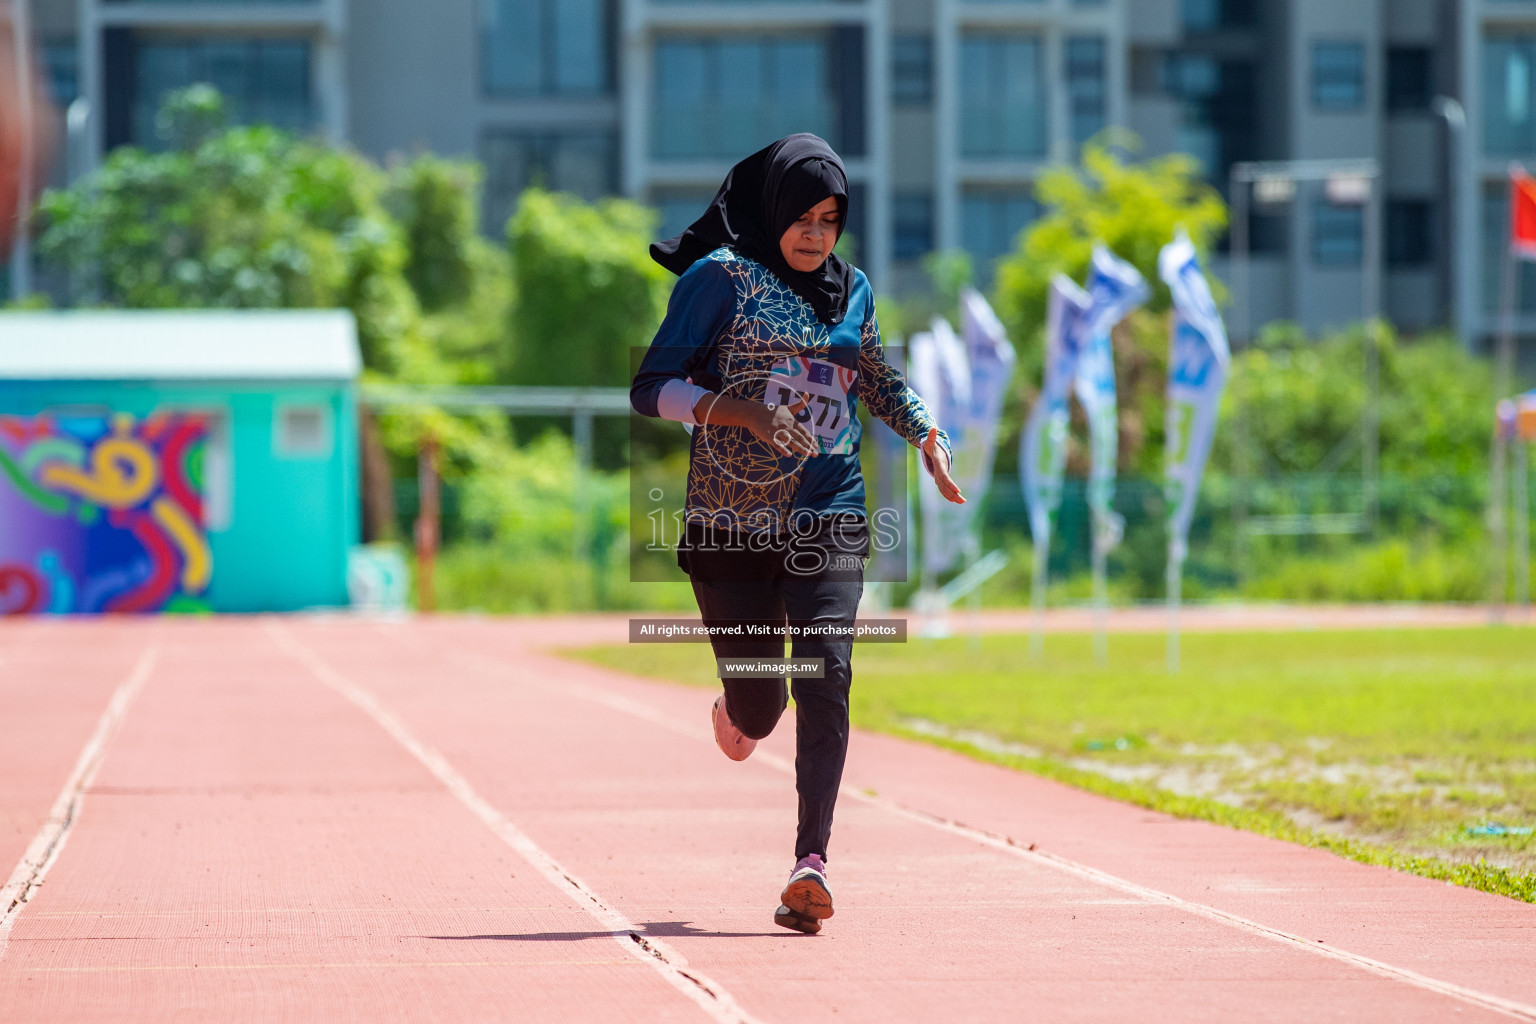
column 1459, row 701
column 1478, row 875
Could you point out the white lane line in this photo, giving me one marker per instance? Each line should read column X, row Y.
column 671, row 965
column 46, row 846
column 1484, row 1000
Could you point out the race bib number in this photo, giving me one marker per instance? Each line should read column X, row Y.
column 816, row 391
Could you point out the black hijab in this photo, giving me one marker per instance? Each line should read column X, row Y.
column 758, row 201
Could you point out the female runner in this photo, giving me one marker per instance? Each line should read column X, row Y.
column 769, row 344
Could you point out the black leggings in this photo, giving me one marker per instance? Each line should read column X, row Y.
column 739, row 587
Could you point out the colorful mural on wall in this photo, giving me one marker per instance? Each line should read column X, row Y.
column 102, row 514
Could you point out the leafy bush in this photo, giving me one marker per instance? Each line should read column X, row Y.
column 526, row 514
column 1293, row 414
column 434, row 200
column 1300, row 398
column 482, row 578
column 1394, row 570
column 587, row 290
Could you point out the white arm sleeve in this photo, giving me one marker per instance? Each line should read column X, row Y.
column 677, row 399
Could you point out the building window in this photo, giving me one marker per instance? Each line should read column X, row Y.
column 679, row 207
column 854, row 238
column 60, row 68
column 1338, row 234
column 1410, row 232
column 1213, row 15
column 545, row 47
column 1338, row 76
column 912, row 71
column 912, row 224
column 263, row 81
column 990, row 222
column 1269, row 233
column 1200, row 15
column 1195, row 80
column 1002, row 96
column 725, row 96
column 1218, row 112
column 1410, row 79
column 580, row 162
column 61, row 59
column 302, row 432
column 1509, row 127
column 1085, row 86
column 124, row 3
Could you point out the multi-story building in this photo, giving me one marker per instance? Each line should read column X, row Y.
column 946, row 111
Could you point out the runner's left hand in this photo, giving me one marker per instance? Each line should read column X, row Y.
column 938, row 461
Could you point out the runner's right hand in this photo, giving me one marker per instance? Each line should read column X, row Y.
column 777, row 425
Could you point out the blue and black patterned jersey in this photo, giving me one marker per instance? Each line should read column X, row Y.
column 729, row 321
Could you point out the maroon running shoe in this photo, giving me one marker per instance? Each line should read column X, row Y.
column 807, row 900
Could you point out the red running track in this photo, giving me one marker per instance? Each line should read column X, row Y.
column 327, row 820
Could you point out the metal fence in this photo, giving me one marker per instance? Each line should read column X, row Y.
column 1236, row 532
column 1230, row 539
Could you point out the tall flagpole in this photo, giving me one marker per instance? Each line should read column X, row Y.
column 1175, row 580
column 1498, row 555
column 1503, row 373
column 1522, row 454
column 1509, row 290
column 1198, row 363
column 1042, row 554
column 1100, row 590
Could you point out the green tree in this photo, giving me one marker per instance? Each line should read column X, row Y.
column 462, row 281
column 245, row 217
column 1134, row 208
column 949, row 271
column 191, row 116
column 587, row 291
column 434, row 200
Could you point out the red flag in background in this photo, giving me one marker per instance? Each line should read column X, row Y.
column 1522, row 214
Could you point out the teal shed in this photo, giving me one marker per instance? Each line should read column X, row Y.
column 177, row 461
